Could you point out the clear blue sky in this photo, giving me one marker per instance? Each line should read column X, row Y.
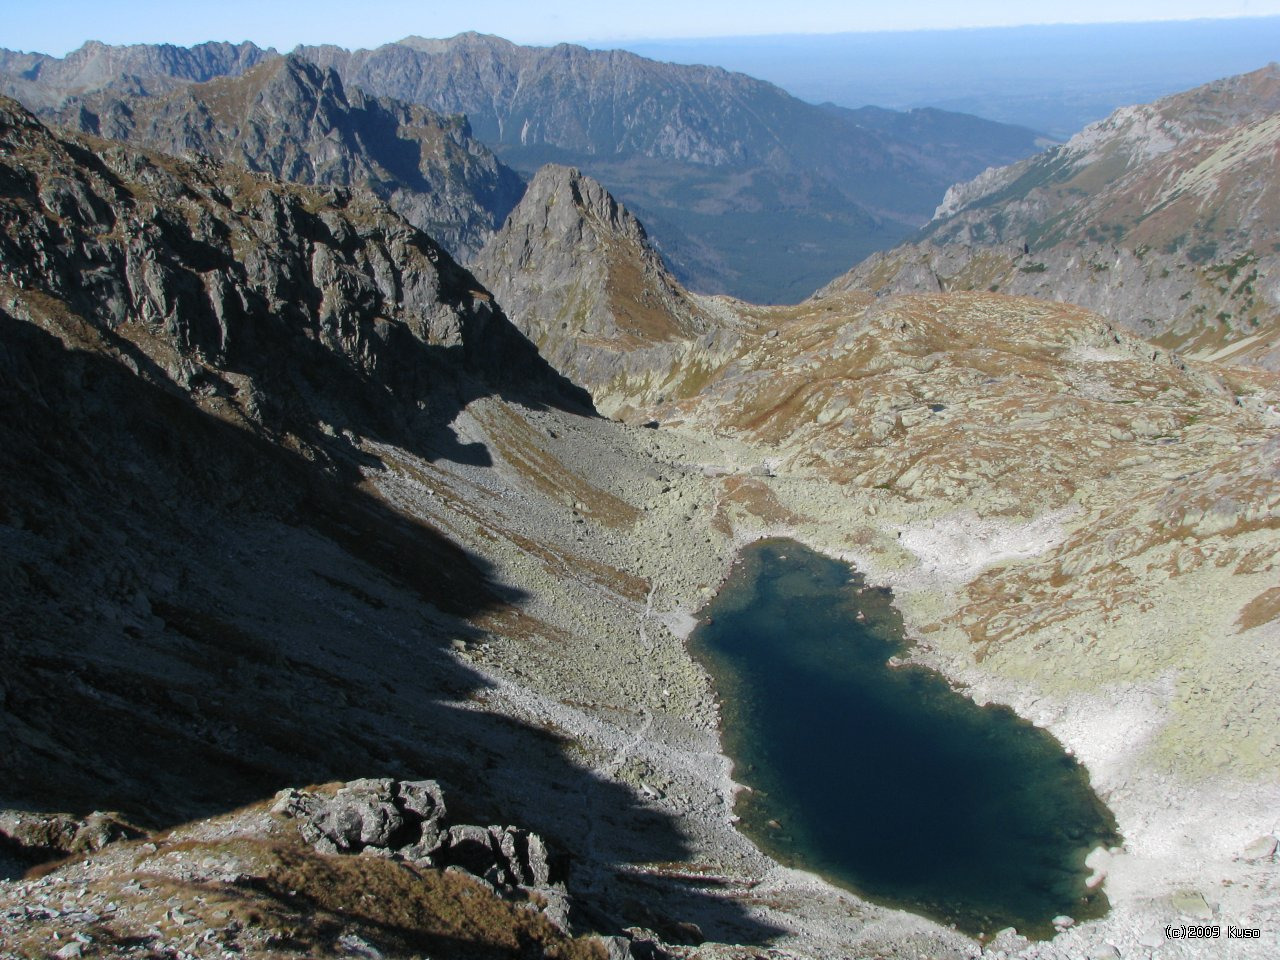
column 57, row 26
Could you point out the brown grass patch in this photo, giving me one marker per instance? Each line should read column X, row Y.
column 755, row 497
column 519, row 444
column 1263, row 608
column 302, row 902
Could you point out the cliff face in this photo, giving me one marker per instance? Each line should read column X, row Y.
column 590, row 290
column 293, row 121
column 1162, row 217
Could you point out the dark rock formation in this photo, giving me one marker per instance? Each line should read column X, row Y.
column 205, row 269
column 192, row 360
column 29, row 838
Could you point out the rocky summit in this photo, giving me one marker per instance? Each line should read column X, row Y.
column 1161, row 217
column 594, row 295
column 338, row 621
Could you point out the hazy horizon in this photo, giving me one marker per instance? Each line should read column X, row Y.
column 61, row 26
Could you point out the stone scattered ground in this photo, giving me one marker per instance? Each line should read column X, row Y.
column 1075, row 524
column 614, row 535
column 495, row 590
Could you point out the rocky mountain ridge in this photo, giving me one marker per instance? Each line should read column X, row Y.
column 1161, row 217
column 594, row 295
column 291, row 120
column 41, row 81
column 662, row 136
column 823, row 187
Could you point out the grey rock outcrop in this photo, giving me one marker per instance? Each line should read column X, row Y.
column 408, row 819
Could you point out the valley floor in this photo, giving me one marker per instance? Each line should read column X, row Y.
column 641, row 712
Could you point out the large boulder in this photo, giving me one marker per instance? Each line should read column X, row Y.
column 406, row 819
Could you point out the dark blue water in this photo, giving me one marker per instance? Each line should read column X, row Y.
column 884, row 780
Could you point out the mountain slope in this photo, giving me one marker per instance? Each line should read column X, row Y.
column 218, row 352
column 1163, row 217
column 291, row 120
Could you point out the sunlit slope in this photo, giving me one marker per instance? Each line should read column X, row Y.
column 1162, row 217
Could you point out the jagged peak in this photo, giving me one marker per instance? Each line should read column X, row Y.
column 91, row 48
column 578, row 275
column 553, row 181
column 300, row 70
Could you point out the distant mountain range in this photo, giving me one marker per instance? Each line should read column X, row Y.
column 1164, row 217
column 746, row 189
column 42, row 81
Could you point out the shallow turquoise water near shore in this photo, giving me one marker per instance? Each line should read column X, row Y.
column 885, row 780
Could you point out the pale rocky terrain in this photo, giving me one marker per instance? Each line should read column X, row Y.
column 1161, row 217
column 291, row 501
column 1074, row 523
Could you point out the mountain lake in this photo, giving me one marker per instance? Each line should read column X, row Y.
column 883, row 779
